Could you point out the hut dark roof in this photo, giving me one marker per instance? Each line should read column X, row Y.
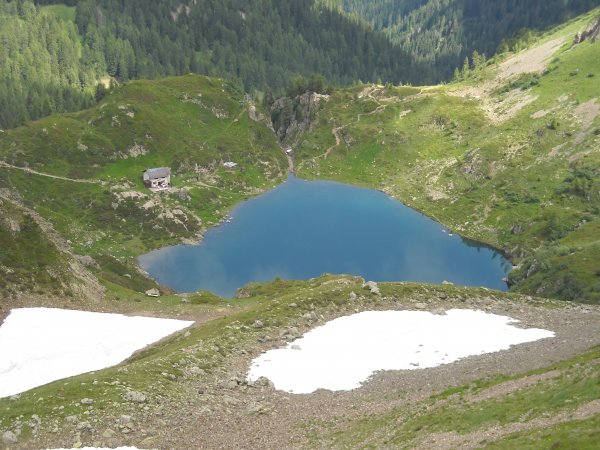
column 159, row 172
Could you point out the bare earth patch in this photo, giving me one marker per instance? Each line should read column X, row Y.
column 503, row 107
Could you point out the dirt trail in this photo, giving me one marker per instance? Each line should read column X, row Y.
column 48, row 175
column 441, row 441
column 366, row 92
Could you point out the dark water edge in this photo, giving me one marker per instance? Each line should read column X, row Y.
column 302, row 229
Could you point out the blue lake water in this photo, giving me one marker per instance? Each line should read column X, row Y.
column 302, row 229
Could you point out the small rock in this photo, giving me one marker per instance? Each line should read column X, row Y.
column 263, row 381
column 372, row 287
column 258, row 324
column 84, row 426
column 135, row 397
column 420, row 305
column 71, row 419
column 293, row 305
column 353, row 296
column 9, row 438
column 185, row 300
column 296, row 347
column 87, row 401
column 124, row 420
column 14, row 398
column 256, row 408
column 443, row 296
column 108, row 433
column 295, row 332
column 314, row 317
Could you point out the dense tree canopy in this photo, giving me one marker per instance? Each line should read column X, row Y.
column 441, row 33
column 259, row 44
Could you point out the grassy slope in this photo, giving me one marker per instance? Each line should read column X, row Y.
column 28, row 258
column 66, row 13
column 497, row 181
column 191, row 124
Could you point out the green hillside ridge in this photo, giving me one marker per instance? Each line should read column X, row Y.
column 83, row 171
column 509, row 156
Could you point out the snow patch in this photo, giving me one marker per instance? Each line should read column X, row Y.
column 40, row 345
column 345, row 352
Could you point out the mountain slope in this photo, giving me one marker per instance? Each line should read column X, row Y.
column 509, row 156
column 441, row 33
column 83, row 171
column 54, row 57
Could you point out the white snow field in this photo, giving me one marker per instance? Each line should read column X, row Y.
column 345, row 352
column 40, row 345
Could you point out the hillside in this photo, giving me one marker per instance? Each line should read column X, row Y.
column 83, row 173
column 194, row 394
column 54, row 56
column 441, row 33
column 509, row 156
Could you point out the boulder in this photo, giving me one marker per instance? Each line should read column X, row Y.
column 372, row 287
column 153, row 292
column 135, row 397
column 9, row 438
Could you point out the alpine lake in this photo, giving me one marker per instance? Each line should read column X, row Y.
column 303, row 229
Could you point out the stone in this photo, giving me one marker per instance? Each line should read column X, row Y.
column 353, row 296
column 9, row 438
column 372, row 287
column 84, row 426
column 420, row 305
column 86, row 401
column 135, row 397
column 293, row 305
column 256, row 408
column 293, row 331
column 443, row 296
column 258, row 324
column 71, row 419
column 264, row 382
column 88, row 261
column 124, row 420
column 108, row 433
column 153, row 292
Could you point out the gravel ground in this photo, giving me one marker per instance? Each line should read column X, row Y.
column 215, row 412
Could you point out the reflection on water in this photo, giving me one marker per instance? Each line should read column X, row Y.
column 302, row 229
